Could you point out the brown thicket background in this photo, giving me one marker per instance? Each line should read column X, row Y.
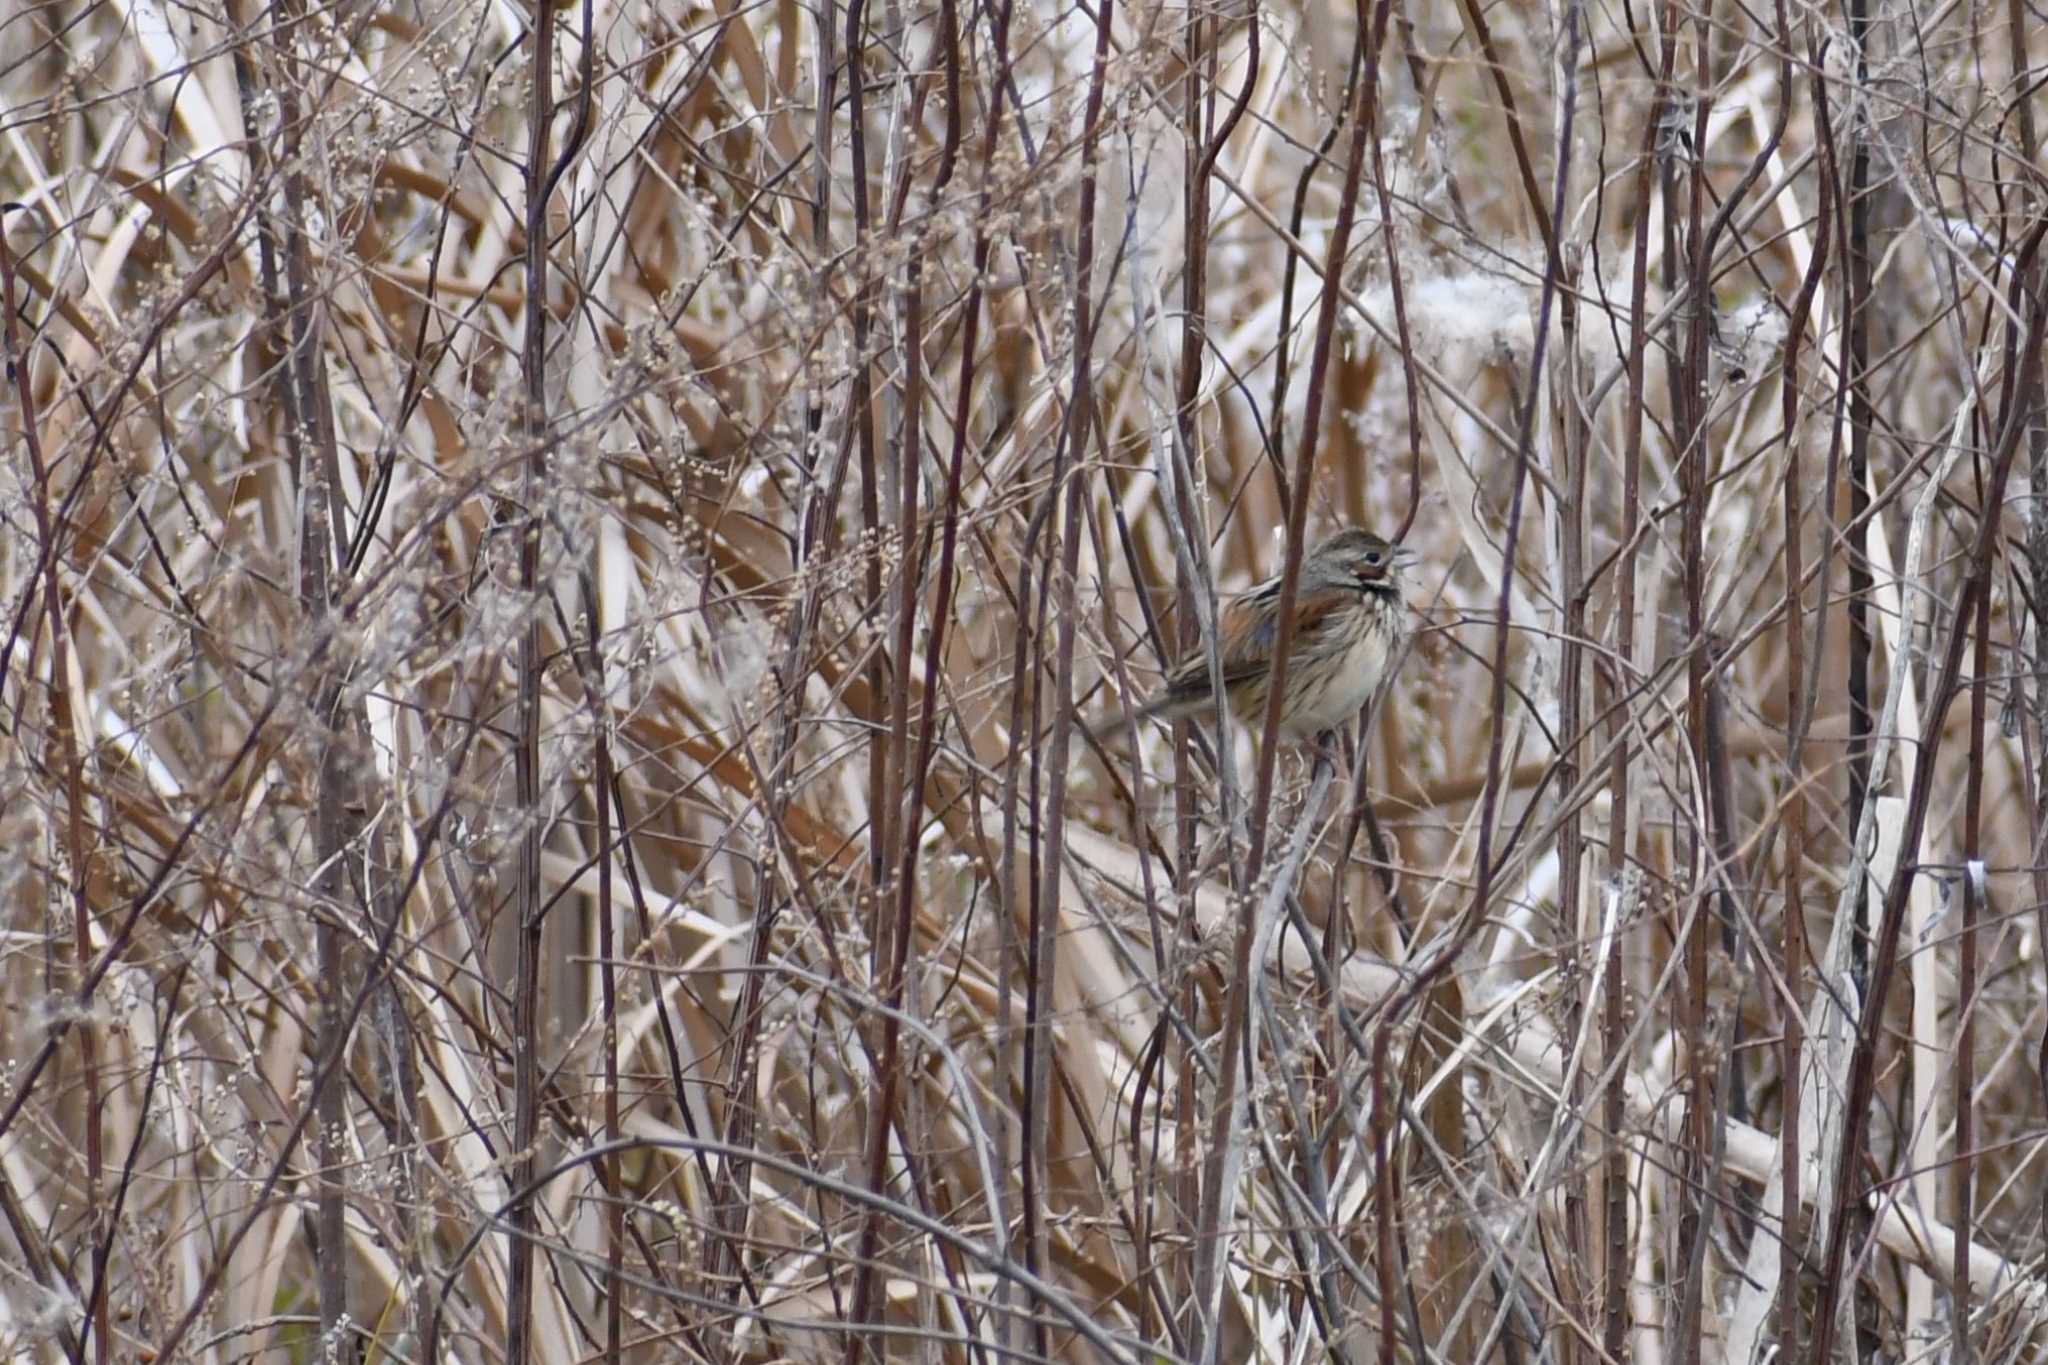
column 554, row 563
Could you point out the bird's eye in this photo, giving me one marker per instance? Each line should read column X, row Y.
column 1374, row 557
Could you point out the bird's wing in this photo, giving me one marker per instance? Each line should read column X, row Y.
column 1251, row 630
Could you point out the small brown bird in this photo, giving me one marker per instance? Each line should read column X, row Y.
column 1350, row 619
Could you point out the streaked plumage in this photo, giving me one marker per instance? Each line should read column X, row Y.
column 1350, row 622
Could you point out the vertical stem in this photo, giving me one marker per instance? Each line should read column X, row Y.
column 1856, row 290
column 607, row 961
column 1856, row 268
column 1040, row 946
column 309, row 422
column 528, row 898
column 861, row 414
column 1065, row 487
column 1963, row 1171
column 1689, row 377
column 1574, row 446
column 892, row 936
column 1798, row 709
column 1613, row 1022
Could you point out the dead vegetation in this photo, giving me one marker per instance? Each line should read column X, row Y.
column 565, row 583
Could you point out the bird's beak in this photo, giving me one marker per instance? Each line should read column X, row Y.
column 1405, row 557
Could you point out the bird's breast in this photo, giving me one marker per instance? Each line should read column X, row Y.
column 1332, row 694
